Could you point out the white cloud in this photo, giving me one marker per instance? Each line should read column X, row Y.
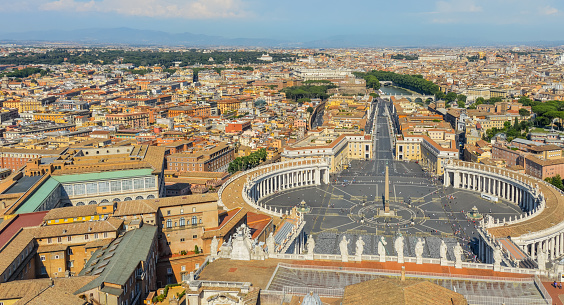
column 187, row 9
column 457, row 6
column 494, row 11
column 548, row 10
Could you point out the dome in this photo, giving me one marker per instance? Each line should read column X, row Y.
column 312, row 299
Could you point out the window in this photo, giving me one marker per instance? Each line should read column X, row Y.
column 105, row 234
column 91, row 188
column 56, row 257
column 183, row 268
column 182, row 240
column 86, row 236
column 194, row 220
column 115, row 186
column 43, row 270
column 103, row 187
column 194, row 236
column 138, row 184
column 182, row 222
column 49, row 240
column 181, row 211
column 169, row 223
column 71, row 264
column 42, row 258
column 126, row 185
column 168, row 270
column 59, row 239
column 79, row 189
column 193, row 210
column 95, row 235
column 69, row 251
column 69, row 238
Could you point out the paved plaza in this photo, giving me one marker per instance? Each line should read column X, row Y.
column 353, row 202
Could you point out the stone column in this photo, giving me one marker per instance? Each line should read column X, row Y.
column 557, row 245
column 456, row 179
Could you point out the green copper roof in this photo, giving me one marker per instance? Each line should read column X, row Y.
column 33, row 202
column 118, row 261
column 104, row 175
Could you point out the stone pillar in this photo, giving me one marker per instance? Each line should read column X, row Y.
column 456, row 179
column 557, row 246
column 552, row 247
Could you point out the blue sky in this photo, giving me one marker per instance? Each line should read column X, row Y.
column 486, row 20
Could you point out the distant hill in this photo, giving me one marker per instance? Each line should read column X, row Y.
column 135, row 37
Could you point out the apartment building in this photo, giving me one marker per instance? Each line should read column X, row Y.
column 338, row 149
column 210, row 158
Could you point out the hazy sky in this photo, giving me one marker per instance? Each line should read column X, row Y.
column 485, row 20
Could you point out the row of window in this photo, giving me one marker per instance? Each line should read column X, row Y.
column 93, row 188
column 69, row 238
column 182, row 222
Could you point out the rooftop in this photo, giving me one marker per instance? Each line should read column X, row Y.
column 123, row 256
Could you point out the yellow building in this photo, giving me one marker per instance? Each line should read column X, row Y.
column 338, row 149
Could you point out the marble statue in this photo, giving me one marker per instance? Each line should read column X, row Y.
column 258, row 253
column 310, row 245
column 442, row 252
column 213, row 248
column 381, row 249
column 359, row 247
column 343, row 246
column 541, row 258
column 497, row 259
column 241, row 249
column 270, row 244
column 398, row 245
column 419, row 251
column 457, row 256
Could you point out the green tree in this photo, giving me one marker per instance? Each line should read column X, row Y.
column 310, row 109
column 556, row 181
column 525, row 101
column 524, row 112
column 480, row 101
column 461, row 98
column 461, row 104
column 440, row 95
column 451, row 96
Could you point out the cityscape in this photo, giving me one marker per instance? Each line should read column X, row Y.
column 141, row 163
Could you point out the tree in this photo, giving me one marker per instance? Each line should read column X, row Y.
column 310, row 109
column 524, row 112
column 479, row 101
column 451, row 96
column 556, row 181
column 461, row 104
column 461, row 98
column 525, row 101
column 374, row 95
column 440, row 95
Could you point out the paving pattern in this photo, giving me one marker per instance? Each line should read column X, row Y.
column 351, row 205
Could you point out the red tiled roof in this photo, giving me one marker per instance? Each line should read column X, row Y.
column 18, row 222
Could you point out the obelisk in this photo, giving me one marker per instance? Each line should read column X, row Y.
column 387, row 193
